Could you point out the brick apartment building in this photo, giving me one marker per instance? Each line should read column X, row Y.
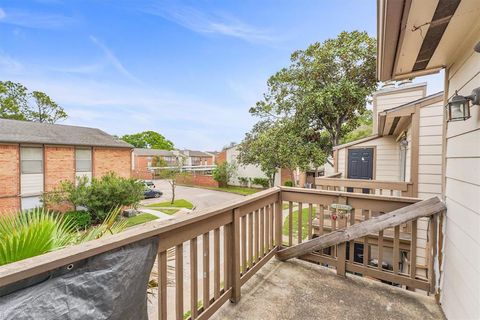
column 35, row 157
column 143, row 159
column 198, row 158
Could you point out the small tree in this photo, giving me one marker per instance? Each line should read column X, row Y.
column 223, row 173
column 172, row 174
column 274, row 146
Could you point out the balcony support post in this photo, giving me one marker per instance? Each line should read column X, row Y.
column 235, row 257
column 278, row 221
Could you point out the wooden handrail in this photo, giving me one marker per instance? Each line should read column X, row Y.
column 252, row 230
column 334, row 175
column 360, row 183
column 395, row 218
column 36, row 265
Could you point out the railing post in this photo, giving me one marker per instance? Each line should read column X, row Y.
column 278, row 221
column 235, row 257
column 432, row 239
column 341, row 257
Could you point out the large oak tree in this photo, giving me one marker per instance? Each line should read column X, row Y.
column 323, row 92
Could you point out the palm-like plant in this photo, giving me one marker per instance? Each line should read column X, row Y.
column 109, row 226
column 32, row 233
column 35, row 232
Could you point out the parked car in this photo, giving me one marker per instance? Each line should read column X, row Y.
column 151, row 193
column 149, row 183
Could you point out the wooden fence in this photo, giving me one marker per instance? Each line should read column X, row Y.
column 227, row 245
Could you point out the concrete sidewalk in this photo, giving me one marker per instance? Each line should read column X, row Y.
column 160, row 215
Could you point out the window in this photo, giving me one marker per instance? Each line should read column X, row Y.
column 31, row 160
column 83, row 160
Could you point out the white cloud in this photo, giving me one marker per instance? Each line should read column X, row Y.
column 35, row 20
column 9, row 65
column 206, row 23
column 80, row 69
column 121, row 108
column 113, row 60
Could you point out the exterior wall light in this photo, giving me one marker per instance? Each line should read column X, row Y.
column 459, row 106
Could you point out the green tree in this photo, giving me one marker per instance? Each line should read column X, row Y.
column 46, row 110
column 274, row 146
column 324, row 90
column 223, row 173
column 148, row 139
column 364, row 129
column 172, row 174
column 19, row 104
column 13, row 100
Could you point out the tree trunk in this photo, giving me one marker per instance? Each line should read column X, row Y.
column 173, row 190
column 272, row 179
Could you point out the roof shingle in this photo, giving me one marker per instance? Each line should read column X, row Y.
column 16, row 131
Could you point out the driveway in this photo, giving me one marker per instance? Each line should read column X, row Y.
column 201, row 198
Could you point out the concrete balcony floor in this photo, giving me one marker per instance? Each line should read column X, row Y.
column 300, row 290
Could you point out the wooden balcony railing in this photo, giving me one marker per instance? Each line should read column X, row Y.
column 237, row 239
column 390, row 188
column 402, row 254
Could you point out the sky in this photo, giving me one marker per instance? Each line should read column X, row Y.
column 189, row 70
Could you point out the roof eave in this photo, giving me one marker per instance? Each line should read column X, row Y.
column 388, row 31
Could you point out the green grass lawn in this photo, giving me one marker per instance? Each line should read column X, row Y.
column 232, row 189
column 295, row 223
column 139, row 219
column 179, row 203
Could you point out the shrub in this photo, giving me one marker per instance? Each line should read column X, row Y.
column 243, row 181
column 100, row 196
column 80, row 219
column 288, row 183
column 264, row 182
column 223, row 173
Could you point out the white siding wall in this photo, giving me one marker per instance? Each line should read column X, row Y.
column 460, row 294
column 329, row 170
column 387, row 99
column 341, row 162
column 408, row 164
column 430, row 151
column 387, row 166
column 249, row 171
